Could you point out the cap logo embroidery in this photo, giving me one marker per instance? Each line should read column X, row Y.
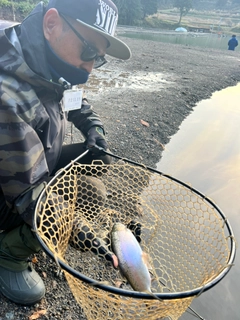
column 106, row 18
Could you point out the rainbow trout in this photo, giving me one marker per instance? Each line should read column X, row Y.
column 131, row 259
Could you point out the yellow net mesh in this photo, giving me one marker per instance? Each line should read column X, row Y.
column 180, row 231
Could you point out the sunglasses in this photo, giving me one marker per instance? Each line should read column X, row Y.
column 89, row 52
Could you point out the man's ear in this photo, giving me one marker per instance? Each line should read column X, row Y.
column 52, row 24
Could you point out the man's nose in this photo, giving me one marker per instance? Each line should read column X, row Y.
column 88, row 65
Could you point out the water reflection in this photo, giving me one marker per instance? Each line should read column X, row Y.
column 206, row 153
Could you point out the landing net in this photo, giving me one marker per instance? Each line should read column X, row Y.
column 187, row 238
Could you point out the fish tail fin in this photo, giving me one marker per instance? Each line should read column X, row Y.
column 153, row 295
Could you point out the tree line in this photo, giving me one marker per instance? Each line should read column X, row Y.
column 132, row 12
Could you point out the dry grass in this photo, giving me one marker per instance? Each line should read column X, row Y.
column 218, row 20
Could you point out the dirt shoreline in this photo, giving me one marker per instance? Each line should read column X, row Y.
column 160, row 85
column 183, row 76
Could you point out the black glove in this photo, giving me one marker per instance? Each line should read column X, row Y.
column 96, row 137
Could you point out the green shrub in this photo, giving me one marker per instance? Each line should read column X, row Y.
column 24, row 7
column 5, row 3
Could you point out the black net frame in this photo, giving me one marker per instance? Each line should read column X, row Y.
column 134, row 294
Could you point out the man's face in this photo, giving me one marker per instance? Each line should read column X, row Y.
column 65, row 42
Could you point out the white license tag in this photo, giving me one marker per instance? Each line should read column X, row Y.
column 72, row 99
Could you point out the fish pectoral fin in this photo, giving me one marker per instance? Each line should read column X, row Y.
column 146, row 260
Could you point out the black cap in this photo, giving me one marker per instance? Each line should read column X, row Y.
column 98, row 15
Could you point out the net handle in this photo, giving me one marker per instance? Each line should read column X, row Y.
column 136, row 294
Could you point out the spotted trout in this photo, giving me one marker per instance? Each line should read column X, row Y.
column 131, row 259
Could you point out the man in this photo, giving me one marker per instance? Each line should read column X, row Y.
column 232, row 43
column 54, row 48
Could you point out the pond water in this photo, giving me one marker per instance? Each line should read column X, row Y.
column 205, row 153
column 206, row 40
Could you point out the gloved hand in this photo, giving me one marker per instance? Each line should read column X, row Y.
column 96, row 137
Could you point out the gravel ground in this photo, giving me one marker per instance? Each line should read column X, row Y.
column 142, row 102
column 161, row 85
